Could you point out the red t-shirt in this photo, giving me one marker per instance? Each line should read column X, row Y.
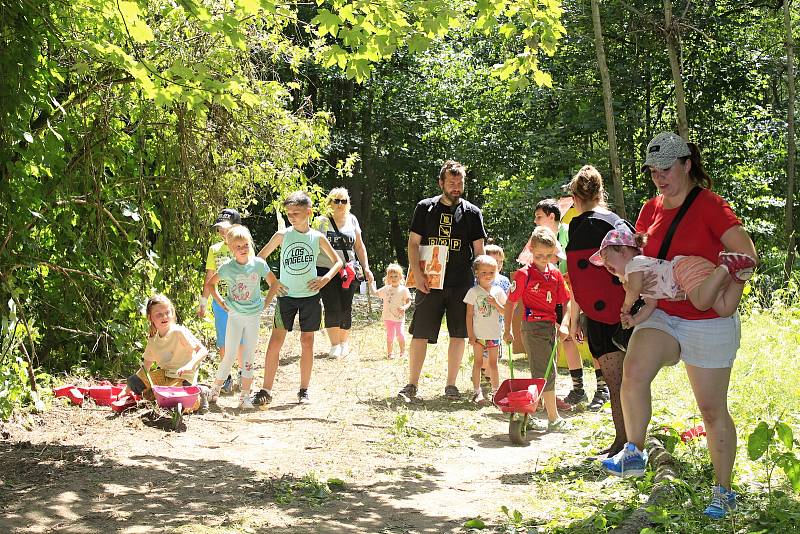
column 698, row 234
column 539, row 291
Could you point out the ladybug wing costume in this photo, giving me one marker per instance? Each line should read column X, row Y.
column 598, row 292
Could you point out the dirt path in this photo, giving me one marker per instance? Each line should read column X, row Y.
column 424, row 467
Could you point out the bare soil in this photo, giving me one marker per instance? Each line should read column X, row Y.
column 354, row 460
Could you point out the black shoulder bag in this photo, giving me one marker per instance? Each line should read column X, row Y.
column 623, row 335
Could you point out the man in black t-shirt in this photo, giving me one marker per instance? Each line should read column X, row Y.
column 446, row 219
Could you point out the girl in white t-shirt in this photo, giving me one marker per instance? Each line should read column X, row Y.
column 173, row 347
column 485, row 307
column 396, row 300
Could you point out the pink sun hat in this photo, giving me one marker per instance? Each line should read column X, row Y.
column 620, row 235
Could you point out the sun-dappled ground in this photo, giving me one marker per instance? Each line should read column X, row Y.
column 357, row 460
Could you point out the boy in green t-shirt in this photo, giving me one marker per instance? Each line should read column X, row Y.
column 300, row 244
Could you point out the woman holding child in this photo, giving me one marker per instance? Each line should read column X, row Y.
column 595, row 291
column 344, row 233
column 676, row 330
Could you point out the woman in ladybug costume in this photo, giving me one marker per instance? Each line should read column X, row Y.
column 595, row 291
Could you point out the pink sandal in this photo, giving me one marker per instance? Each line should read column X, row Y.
column 740, row 266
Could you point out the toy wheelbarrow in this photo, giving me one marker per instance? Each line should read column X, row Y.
column 175, row 398
column 520, row 397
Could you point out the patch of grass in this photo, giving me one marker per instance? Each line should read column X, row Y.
column 568, row 494
column 309, row 490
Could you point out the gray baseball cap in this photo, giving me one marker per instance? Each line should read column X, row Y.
column 664, row 150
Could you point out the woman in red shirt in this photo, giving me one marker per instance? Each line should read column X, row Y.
column 676, row 330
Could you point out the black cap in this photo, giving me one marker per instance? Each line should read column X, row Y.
column 227, row 218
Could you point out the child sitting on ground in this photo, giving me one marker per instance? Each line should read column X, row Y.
column 706, row 285
column 300, row 245
column 485, row 306
column 174, row 348
column 244, row 304
column 396, row 300
column 540, row 286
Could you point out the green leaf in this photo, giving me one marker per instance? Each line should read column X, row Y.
column 141, row 32
column 507, row 30
column 785, row 434
column 138, row 28
column 326, row 22
column 475, row 523
column 543, row 79
column 791, row 466
column 346, row 13
column 758, row 441
column 249, row 7
column 418, row 43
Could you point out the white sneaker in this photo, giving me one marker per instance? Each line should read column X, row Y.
column 246, row 404
column 335, row 352
column 345, row 349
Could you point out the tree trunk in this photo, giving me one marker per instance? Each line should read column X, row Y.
column 367, row 163
column 608, row 104
column 674, row 63
column 790, row 141
column 396, row 233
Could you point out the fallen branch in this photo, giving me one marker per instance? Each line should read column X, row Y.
column 664, row 481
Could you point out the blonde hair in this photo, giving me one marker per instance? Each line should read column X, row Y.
column 394, row 268
column 483, row 259
column 587, row 185
column 240, row 233
column 151, row 303
column 543, row 236
column 494, row 250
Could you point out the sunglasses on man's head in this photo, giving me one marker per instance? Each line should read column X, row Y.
column 339, row 200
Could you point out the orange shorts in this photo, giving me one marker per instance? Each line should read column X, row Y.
column 691, row 271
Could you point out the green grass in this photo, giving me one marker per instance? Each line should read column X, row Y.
column 569, row 494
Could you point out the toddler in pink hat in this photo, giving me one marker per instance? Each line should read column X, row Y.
column 706, row 285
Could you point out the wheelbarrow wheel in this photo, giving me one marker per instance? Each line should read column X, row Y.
column 177, row 416
column 518, row 428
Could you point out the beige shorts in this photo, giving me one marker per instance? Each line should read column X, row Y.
column 538, row 339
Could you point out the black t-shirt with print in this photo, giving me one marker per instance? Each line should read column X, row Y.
column 455, row 226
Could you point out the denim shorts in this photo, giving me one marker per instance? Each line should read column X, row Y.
column 707, row 343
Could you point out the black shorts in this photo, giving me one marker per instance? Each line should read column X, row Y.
column 431, row 307
column 310, row 313
column 600, row 337
column 337, row 301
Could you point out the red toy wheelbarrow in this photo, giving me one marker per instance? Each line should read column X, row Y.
column 520, row 397
column 175, row 398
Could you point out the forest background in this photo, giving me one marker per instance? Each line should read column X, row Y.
column 126, row 125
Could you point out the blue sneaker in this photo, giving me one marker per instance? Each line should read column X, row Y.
column 722, row 502
column 629, row 462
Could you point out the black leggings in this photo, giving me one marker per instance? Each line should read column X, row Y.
column 337, row 301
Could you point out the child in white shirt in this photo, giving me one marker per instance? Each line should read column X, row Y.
column 485, row 307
